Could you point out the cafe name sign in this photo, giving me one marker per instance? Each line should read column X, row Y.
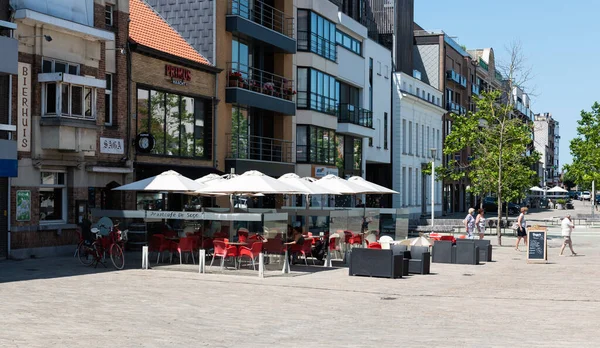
column 179, row 76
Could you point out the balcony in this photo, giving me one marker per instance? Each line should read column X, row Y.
column 260, row 89
column 354, row 120
column 475, row 89
column 456, row 77
column 261, row 22
column 268, row 155
column 455, row 108
column 309, row 41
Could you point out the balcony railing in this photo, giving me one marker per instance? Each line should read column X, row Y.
column 348, row 113
column 456, row 108
column 456, row 77
column 263, row 14
column 314, row 101
column 256, row 80
column 483, row 64
column 309, row 41
column 251, row 147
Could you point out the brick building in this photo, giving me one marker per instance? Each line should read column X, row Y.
column 173, row 102
column 70, row 105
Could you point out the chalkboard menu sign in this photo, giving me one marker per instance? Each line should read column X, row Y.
column 537, row 246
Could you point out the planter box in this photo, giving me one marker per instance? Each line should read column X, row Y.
column 375, row 263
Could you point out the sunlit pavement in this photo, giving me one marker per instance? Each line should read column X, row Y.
column 56, row 302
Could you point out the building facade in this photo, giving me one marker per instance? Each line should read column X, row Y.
column 71, row 118
column 173, row 97
column 418, row 113
column 254, row 42
column 447, row 66
column 8, row 144
column 547, row 140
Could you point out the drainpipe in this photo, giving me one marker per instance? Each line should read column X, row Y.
column 128, row 142
column 215, row 120
column 9, row 179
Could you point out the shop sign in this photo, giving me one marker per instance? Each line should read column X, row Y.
column 144, row 142
column 24, row 108
column 23, row 210
column 180, row 215
column 179, row 76
column 323, row 171
column 112, row 146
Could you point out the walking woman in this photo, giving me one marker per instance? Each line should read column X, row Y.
column 567, row 227
column 470, row 223
column 522, row 229
column 480, row 223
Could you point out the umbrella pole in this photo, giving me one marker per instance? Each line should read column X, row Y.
column 307, row 214
column 231, row 210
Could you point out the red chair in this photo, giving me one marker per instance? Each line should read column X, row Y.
column 158, row 244
column 186, row 244
column 252, row 252
column 374, row 245
column 356, row 239
column 223, row 251
column 348, row 237
column 242, row 235
column 333, row 244
column 306, row 251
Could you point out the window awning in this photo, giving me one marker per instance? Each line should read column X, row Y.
column 74, row 79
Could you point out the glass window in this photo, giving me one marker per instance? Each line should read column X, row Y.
column 76, row 100
column 73, row 69
column 313, row 144
column 52, row 202
column 108, row 14
column 64, row 107
column 46, row 66
column 301, row 143
column 186, row 148
column 385, row 130
column 316, row 34
column 321, row 93
column 172, row 125
column 157, row 121
column 60, row 67
column 51, row 98
column 201, row 108
column 357, row 163
column 348, row 42
column 87, row 93
column 108, row 119
column 240, row 132
column 143, row 97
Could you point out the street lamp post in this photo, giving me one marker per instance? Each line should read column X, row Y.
column 433, row 153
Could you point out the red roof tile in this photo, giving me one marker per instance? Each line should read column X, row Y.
column 149, row 29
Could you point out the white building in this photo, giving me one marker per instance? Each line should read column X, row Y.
column 417, row 129
column 343, row 84
column 546, row 141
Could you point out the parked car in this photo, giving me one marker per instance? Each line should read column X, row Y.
column 490, row 205
column 573, row 195
column 586, row 196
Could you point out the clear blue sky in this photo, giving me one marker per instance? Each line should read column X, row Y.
column 559, row 39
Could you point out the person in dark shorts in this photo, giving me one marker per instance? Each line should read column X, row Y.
column 522, row 228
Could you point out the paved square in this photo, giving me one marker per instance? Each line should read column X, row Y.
column 56, row 302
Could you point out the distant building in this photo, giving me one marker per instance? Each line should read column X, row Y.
column 547, row 139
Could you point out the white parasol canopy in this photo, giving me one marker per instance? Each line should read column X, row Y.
column 169, row 181
column 209, row 177
column 371, row 186
column 252, row 181
column 536, row 189
column 557, row 189
column 306, row 184
column 419, row 241
column 345, row 187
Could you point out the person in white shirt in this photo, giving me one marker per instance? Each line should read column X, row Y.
column 469, row 222
column 480, row 223
column 567, row 227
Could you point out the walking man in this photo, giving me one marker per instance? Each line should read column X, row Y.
column 567, row 227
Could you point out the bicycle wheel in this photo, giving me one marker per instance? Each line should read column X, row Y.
column 86, row 254
column 116, row 256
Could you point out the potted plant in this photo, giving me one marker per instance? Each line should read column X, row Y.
column 234, row 77
column 560, row 203
column 289, row 93
column 269, row 88
column 254, row 86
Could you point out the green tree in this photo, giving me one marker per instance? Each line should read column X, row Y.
column 500, row 162
column 585, row 149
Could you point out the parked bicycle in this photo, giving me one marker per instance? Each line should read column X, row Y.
column 95, row 253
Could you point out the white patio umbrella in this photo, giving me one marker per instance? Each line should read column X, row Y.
column 209, row 177
column 252, row 182
column 169, row 181
column 308, row 185
column 371, row 186
column 557, row 189
column 536, row 189
column 345, row 187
